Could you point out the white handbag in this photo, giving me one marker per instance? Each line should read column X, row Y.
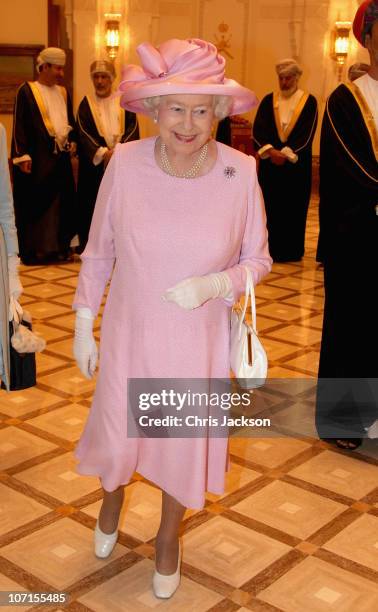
column 23, row 339
column 248, row 359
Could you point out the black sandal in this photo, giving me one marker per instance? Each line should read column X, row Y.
column 348, row 444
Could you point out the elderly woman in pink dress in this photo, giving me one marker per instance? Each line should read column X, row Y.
column 178, row 218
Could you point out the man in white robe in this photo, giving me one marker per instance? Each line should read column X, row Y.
column 42, row 144
column 102, row 124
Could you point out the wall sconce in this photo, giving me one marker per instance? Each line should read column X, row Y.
column 112, row 22
column 341, row 44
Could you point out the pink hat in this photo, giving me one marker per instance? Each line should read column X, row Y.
column 190, row 66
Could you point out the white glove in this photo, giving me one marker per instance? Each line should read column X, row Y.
column 196, row 290
column 15, row 287
column 85, row 349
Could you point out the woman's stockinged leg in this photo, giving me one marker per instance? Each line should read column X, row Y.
column 110, row 510
column 167, row 539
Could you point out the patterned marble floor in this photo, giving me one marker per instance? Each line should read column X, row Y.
column 296, row 530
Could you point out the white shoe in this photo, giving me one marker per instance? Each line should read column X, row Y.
column 372, row 431
column 104, row 542
column 164, row 586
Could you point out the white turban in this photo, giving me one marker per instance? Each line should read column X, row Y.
column 103, row 66
column 288, row 66
column 51, row 55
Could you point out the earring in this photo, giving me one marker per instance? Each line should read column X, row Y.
column 156, row 118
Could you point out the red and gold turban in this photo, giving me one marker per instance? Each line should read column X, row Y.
column 367, row 14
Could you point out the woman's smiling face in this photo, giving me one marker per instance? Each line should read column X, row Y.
column 185, row 122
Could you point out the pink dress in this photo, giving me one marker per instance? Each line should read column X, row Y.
column 159, row 230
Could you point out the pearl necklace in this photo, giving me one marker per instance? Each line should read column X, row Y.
column 192, row 172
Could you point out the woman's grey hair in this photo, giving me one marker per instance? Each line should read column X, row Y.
column 221, row 104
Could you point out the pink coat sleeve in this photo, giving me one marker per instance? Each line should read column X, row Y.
column 254, row 252
column 99, row 254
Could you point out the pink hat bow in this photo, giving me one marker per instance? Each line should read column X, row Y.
column 179, row 67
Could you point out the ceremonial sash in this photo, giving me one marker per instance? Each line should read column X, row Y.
column 97, row 120
column 367, row 115
column 42, row 107
column 284, row 134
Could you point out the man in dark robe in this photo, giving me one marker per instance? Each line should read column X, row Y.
column 347, row 396
column 283, row 132
column 42, row 144
column 102, row 123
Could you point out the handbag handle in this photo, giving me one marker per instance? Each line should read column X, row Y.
column 249, row 292
column 15, row 311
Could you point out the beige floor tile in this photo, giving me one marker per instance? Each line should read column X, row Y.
column 69, row 282
column 338, row 473
column 6, row 584
column 229, row 551
column 46, row 363
column 59, row 478
column 272, row 293
column 286, row 268
column 269, row 452
column 280, row 372
column 308, row 362
column 307, row 300
column 317, row 586
column 141, row 510
column 29, row 281
column 66, row 320
column 51, row 273
column 66, row 299
column 278, row 350
column 295, row 283
column 17, row 509
column 48, row 332
column 25, row 301
column 18, row 403
column 46, row 291
column 264, row 324
column 283, row 312
column 70, row 381
column 297, row 333
column 358, row 542
column 237, row 477
column 45, row 310
column 290, row 509
column 17, row 446
column 63, row 347
column 131, row 591
column 65, row 553
column 66, row 422
column 312, row 274
column 73, row 266
column 316, row 321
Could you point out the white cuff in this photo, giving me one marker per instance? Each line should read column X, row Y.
column 84, row 313
column 263, row 152
column 19, row 160
column 99, row 155
column 290, row 155
column 222, row 285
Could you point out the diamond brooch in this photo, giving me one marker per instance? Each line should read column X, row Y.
column 229, row 172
